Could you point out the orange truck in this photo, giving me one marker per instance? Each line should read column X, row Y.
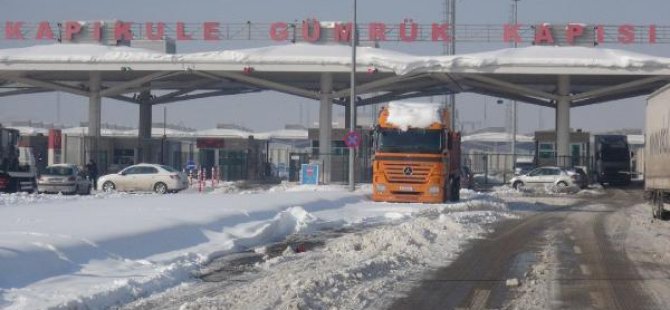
column 416, row 159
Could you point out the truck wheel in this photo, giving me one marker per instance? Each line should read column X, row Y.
column 659, row 206
column 652, row 204
column 456, row 190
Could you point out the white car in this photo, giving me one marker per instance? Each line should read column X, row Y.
column 544, row 176
column 64, row 178
column 143, row 178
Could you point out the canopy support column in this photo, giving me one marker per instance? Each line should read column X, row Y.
column 144, row 134
column 326, row 125
column 94, row 116
column 563, row 122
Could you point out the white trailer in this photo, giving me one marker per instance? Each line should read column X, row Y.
column 657, row 150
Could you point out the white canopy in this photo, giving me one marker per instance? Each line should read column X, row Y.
column 496, row 137
column 527, row 74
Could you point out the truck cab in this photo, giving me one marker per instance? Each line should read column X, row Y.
column 17, row 164
column 415, row 160
column 612, row 159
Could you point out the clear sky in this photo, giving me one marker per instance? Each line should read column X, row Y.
column 267, row 111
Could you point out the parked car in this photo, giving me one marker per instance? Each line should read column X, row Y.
column 582, row 179
column 64, row 178
column 467, row 178
column 543, row 176
column 143, row 178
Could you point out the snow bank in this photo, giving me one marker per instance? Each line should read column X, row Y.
column 104, row 250
column 412, row 114
column 356, row 271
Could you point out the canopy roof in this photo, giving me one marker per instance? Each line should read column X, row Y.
column 526, row 74
column 496, row 137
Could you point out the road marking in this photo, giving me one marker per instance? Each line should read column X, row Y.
column 577, row 249
column 585, row 270
column 572, row 237
column 479, row 299
column 567, row 230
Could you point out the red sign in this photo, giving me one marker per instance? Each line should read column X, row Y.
column 209, row 143
column 311, row 30
column 352, row 139
column 54, row 139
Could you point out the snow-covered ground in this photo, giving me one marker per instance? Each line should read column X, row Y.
column 109, row 249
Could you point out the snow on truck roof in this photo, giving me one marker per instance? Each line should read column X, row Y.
column 413, row 114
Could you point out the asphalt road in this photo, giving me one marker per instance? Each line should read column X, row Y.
column 590, row 268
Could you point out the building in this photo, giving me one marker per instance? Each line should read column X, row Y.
column 580, row 153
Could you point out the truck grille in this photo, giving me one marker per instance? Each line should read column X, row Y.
column 396, row 172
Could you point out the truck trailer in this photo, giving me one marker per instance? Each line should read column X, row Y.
column 657, row 150
column 416, row 155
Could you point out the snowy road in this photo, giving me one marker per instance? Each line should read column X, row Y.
column 595, row 253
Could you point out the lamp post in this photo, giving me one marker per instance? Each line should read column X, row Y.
column 163, row 141
column 352, row 99
column 514, row 107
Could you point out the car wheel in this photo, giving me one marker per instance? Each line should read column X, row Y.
column 88, row 191
column 108, row 187
column 160, row 188
column 75, row 191
column 518, row 185
column 562, row 184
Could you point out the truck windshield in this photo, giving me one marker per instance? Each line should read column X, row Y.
column 410, row 141
column 615, row 152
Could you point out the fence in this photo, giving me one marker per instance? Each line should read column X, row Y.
column 496, row 169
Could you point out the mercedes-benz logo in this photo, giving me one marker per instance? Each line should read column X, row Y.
column 408, row 171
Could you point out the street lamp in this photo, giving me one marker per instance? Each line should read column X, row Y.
column 514, row 110
column 352, row 100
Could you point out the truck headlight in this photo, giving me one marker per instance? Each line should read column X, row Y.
column 380, row 188
column 434, row 190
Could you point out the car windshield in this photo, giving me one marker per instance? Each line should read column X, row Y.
column 410, row 141
column 59, row 170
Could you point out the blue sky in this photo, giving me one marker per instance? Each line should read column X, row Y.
column 252, row 110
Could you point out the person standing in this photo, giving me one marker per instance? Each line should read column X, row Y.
column 92, row 169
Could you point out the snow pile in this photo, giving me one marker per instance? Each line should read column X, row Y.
column 356, row 271
column 81, row 53
column 304, row 54
column 552, row 56
column 104, row 250
column 412, row 114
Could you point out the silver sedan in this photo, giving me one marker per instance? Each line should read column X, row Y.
column 144, row 177
column 64, row 178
